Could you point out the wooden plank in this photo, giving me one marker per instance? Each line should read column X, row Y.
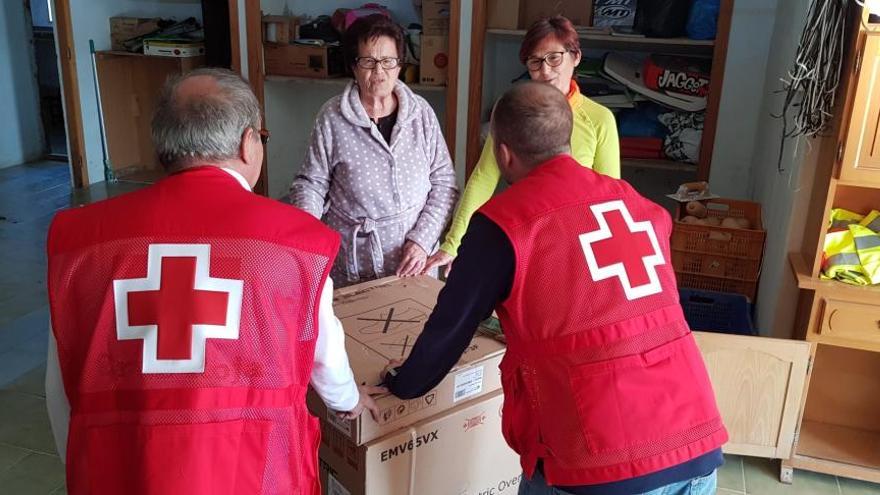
column 234, row 36
column 835, row 468
column 632, row 43
column 343, row 81
column 719, row 60
column 840, row 443
column 70, row 90
column 658, row 164
column 452, row 75
column 253, row 21
column 475, row 92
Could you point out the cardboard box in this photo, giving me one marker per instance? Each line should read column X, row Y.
column 434, row 63
column 503, row 14
column 382, row 320
column 125, row 28
column 459, row 452
column 280, row 29
column 579, row 12
column 303, row 60
column 435, row 17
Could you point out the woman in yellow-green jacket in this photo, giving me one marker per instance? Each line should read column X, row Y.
column 550, row 51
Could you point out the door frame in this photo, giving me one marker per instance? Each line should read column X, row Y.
column 73, row 122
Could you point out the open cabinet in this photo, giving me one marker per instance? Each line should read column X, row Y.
column 839, row 433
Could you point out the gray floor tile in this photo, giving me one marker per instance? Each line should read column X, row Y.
column 724, row 491
column 9, row 456
column 855, row 487
column 730, row 475
column 34, row 475
column 762, row 478
column 62, row 490
column 24, row 422
column 33, row 383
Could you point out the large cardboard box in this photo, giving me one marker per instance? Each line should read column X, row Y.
column 459, row 452
column 434, row 63
column 503, row 14
column 382, row 320
column 303, row 60
column 125, row 28
column 435, row 17
column 579, row 12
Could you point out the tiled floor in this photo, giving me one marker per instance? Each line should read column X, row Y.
column 29, row 196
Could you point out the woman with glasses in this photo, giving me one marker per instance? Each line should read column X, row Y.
column 550, row 51
column 378, row 170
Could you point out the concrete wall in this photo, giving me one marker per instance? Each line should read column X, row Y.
column 22, row 137
column 90, row 19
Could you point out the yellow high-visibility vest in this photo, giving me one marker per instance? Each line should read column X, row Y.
column 872, row 221
column 841, row 218
column 867, row 244
column 842, row 260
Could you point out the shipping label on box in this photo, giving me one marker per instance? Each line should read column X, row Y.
column 459, row 452
column 434, row 66
column 382, row 320
column 435, row 17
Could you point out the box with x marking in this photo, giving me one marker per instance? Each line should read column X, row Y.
column 382, row 320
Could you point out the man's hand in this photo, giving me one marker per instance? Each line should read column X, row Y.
column 440, row 258
column 413, row 262
column 366, row 402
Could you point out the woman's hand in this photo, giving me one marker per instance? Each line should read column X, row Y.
column 413, row 262
column 440, row 258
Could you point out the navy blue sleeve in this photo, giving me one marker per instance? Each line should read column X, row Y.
column 481, row 278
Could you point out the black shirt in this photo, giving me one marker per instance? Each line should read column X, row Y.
column 481, row 280
column 386, row 125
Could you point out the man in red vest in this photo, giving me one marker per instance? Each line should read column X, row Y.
column 605, row 390
column 190, row 317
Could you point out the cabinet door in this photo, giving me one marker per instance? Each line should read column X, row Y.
column 759, row 383
column 861, row 157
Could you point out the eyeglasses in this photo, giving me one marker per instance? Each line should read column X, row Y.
column 387, row 63
column 552, row 59
column 264, row 135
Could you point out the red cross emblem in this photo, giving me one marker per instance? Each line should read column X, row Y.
column 176, row 308
column 623, row 248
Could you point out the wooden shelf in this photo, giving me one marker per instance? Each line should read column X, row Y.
column 806, row 280
column 637, row 43
column 658, row 164
column 857, row 448
column 342, row 81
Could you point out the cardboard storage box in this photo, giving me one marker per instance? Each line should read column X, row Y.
column 434, row 63
column 280, row 29
column 459, row 452
column 435, row 17
column 503, row 14
column 579, row 12
column 382, row 320
column 303, row 60
column 126, row 28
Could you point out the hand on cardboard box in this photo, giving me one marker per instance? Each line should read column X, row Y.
column 366, row 402
column 440, row 258
column 413, row 262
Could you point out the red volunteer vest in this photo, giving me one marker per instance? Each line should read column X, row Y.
column 186, row 320
column 602, row 378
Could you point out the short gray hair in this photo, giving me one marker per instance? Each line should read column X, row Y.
column 534, row 120
column 205, row 127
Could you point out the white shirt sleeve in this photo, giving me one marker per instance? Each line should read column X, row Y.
column 56, row 398
column 332, row 377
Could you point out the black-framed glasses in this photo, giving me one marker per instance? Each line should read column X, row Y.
column 264, row 135
column 370, row 63
column 552, row 59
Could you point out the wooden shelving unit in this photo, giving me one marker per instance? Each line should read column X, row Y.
column 716, row 49
column 838, row 432
column 342, row 81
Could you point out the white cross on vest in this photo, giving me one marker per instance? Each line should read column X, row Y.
column 619, row 248
column 176, row 308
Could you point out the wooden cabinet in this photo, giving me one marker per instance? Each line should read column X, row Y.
column 839, row 432
column 861, row 144
column 759, row 383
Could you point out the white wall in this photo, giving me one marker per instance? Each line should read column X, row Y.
column 21, row 139
column 752, row 28
column 782, row 195
column 90, row 20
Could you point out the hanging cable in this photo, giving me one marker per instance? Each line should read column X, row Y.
column 811, row 85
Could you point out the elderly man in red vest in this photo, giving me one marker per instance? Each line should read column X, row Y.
column 190, row 317
column 605, row 391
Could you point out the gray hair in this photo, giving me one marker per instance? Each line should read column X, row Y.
column 534, row 120
column 206, row 127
